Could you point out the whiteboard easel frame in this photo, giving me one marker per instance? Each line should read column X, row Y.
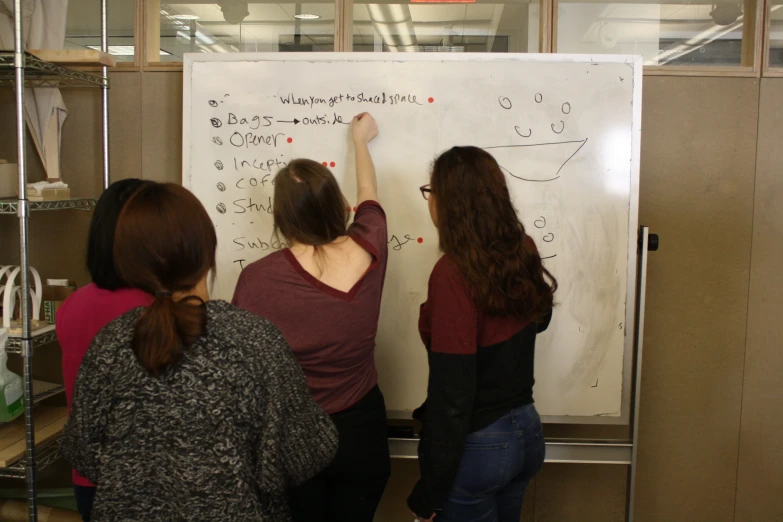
column 634, row 62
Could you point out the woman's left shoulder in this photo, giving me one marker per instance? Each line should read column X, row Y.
column 232, row 321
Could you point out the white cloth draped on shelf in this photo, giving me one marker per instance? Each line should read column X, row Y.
column 45, row 112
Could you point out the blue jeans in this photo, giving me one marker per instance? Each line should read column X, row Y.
column 496, row 467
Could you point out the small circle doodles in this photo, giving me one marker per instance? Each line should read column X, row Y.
column 221, row 208
column 221, row 187
column 212, row 103
column 539, row 97
column 504, row 102
column 548, row 238
column 562, row 127
column 216, row 123
column 219, row 165
column 566, row 108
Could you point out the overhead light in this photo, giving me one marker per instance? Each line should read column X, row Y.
column 726, row 14
column 185, row 17
column 234, row 11
column 306, row 16
column 200, row 37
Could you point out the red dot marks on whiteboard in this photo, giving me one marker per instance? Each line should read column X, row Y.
column 354, row 209
column 420, row 240
column 324, row 163
column 332, row 164
column 290, row 140
column 431, row 99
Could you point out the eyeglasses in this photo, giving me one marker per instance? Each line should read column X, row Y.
column 425, row 191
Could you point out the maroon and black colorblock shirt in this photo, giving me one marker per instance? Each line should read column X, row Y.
column 481, row 367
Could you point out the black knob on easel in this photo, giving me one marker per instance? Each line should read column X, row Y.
column 652, row 242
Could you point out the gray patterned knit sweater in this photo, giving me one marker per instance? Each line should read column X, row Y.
column 220, row 436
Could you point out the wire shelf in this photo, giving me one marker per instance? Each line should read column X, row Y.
column 14, row 344
column 44, row 390
column 44, row 74
column 10, row 206
column 46, row 454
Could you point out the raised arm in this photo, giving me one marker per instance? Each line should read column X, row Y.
column 364, row 130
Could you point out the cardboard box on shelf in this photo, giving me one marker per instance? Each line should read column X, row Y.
column 54, row 295
column 9, row 185
column 15, row 511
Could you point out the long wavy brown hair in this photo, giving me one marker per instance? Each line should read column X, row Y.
column 480, row 232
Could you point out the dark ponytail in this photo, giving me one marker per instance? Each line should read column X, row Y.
column 165, row 244
column 166, row 329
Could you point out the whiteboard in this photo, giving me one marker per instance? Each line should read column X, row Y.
column 564, row 128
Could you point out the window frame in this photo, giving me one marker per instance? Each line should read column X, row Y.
column 755, row 41
column 768, row 71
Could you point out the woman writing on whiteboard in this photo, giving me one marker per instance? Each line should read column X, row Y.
column 488, row 297
column 190, row 408
column 324, row 293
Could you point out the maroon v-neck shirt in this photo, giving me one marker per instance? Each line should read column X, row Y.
column 332, row 333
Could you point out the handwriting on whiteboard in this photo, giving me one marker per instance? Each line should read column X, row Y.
column 252, row 148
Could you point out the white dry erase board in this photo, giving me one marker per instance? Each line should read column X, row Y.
column 564, row 128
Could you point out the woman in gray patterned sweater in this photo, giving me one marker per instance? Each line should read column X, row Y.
column 191, row 409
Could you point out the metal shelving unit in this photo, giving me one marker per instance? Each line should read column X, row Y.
column 11, row 206
column 44, row 74
column 46, row 455
column 14, row 344
column 19, row 69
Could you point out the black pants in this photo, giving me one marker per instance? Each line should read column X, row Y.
column 350, row 489
column 85, row 496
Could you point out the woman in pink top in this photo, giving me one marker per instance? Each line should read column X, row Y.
column 324, row 294
column 92, row 307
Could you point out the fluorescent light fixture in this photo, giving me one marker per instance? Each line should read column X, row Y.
column 123, row 50
column 200, row 37
column 185, row 17
column 306, row 16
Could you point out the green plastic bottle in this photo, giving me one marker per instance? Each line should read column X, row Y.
column 11, row 391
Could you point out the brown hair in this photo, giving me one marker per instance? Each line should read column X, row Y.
column 165, row 243
column 309, row 207
column 479, row 230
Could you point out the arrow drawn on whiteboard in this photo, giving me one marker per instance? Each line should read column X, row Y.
column 294, row 121
column 548, row 159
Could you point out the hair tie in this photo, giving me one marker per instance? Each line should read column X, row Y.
column 163, row 293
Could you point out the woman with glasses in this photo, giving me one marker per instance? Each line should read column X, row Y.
column 488, row 298
column 327, row 296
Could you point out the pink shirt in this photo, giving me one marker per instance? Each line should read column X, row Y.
column 331, row 333
column 79, row 319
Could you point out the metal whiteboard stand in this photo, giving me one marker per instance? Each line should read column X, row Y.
column 647, row 243
column 580, row 451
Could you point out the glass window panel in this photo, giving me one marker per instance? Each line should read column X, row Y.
column 776, row 33
column 446, row 27
column 692, row 33
column 83, row 26
column 224, row 26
